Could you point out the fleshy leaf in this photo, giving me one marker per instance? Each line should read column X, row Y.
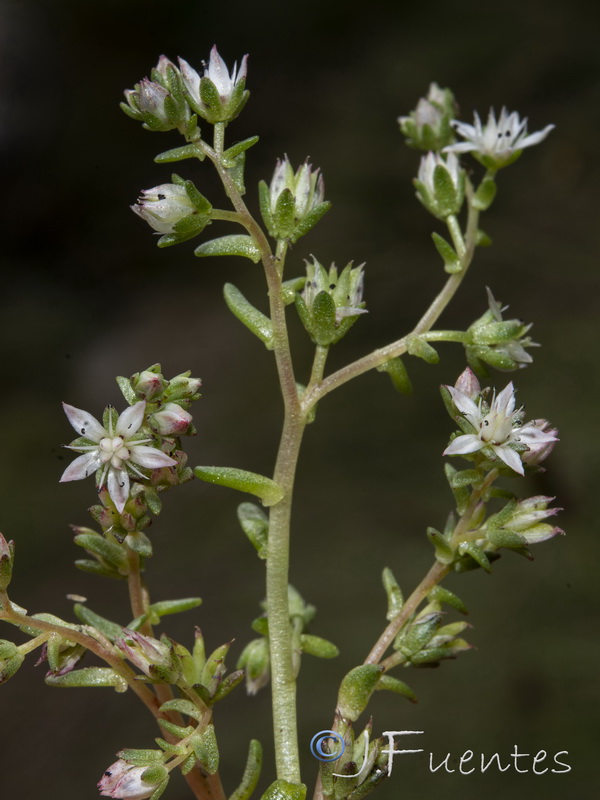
column 264, row 488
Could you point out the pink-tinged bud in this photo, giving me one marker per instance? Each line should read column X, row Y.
column 125, row 780
column 7, row 551
column 540, row 450
column 155, row 659
column 164, row 206
column 148, row 384
column 468, row 384
column 171, row 420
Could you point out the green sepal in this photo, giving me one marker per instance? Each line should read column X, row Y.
column 448, row 253
column 434, row 655
column 131, row 112
column 323, row 327
column 209, row 95
column 446, row 196
column 155, row 773
column 255, row 525
column 283, row 216
column 175, row 730
column 485, row 194
column 240, row 147
column 88, row 676
column 501, row 537
column 124, row 385
column 237, row 244
column 200, row 202
column 465, row 477
column 267, row 490
column 139, row 543
column 96, row 568
column 289, row 289
column 10, row 666
column 303, row 313
column 387, row 683
column 153, row 500
column 482, row 239
column 316, row 646
column 251, row 772
column 264, row 199
column 498, row 332
column 417, row 346
column 236, row 172
column 180, row 153
column 443, row 552
column 310, row 220
column 198, row 654
column 398, row 375
column 251, row 317
column 282, row 790
column 476, row 553
column 228, row 684
column 413, row 639
column 206, row 749
column 503, row 516
column 441, row 595
column 110, row 629
column 356, row 689
column 8, row 649
column 158, row 792
column 214, row 668
column 394, row 594
column 139, row 757
column 260, row 625
column 185, row 229
column 368, row 785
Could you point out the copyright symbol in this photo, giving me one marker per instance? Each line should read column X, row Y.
column 333, row 752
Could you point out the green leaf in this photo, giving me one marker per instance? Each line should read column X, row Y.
column 228, row 684
column 414, row 638
column 448, row 253
column 267, row 490
column 252, row 318
column 180, row 153
column 240, row 147
column 124, row 385
column 255, row 525
column 356, row 689
column 237, row 244
column 96, row 568
column 175, row 730
column 251, row 772
column 139, row 543
column 485, row 194
column 283, row 216
column 387, row 683
column 289, row 289
column 89, row 676
column 399, row 376
column 443, row 552
column 315, row 646
column 206, row 750
column 476, row 553
column 394, row 593
column 110, row 629
column 441, row 595
column 282, row 790
column 112, row 553
column 417, row 346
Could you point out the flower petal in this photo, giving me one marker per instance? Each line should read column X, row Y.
column 510, row 457
column 150, row 457
column 84, row 423
column 468, row 443
column 465, row 405
column 130, row 420
column 82, row 467
column 118, row 487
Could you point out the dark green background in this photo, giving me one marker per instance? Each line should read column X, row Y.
column 86, row 296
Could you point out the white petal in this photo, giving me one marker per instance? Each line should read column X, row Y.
column 469, row 443
column 535, row 138
column 505, row 402
column 82, row 467
column 118, row 487
column 84, row 423
column 130, row 420
column 465, row 405
column 510, row 458
column 191, row 78
column 150, row 457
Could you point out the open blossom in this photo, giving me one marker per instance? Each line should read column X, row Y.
column 306, row 186
column 499, row 142
column 229, row 87
column 125, row 781
column 497, row 428
column 113, row 452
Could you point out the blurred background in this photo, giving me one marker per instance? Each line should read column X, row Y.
column 86, row 296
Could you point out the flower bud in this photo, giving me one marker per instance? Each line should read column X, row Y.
column 123, row 780
column 154, row 658
column 428, row 126
column 148, row 384
column 329, row 305
column 183, row 389
column 171, row 420
column 528, row 519
column 440, row 184
column 159, row 103
column 7, row 552
column 293, row 202
column 217, row 96
column 538, row 451
column 10, row 659
column 256, row 662
column 498, row 342
column 468, row 384
column 164, row 206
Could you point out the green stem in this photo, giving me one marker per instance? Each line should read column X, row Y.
column 446, row 336
column 138, row 595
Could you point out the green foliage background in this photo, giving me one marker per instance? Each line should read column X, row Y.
column 87, row 296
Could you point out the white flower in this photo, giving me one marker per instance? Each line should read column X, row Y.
column 228, row 86
column 433, row 160
column 498, row 142
column 164, row 206
column 306, row 186
column 125, row 780
column 112, row 453
column 498, row 428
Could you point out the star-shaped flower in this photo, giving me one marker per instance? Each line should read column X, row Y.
column 497, row 428
column 112, row 453
column 499, row 142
